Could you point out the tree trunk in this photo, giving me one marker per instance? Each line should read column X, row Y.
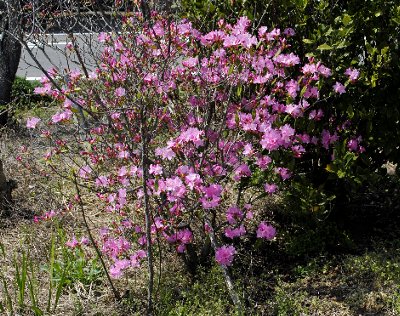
column 6, row 188
column 10, row 52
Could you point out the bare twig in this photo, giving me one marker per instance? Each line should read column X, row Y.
column 80, row 202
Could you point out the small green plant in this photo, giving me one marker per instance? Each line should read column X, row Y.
column 23, row 278
column 23, row 97
column 63, row 268
column 73, row 265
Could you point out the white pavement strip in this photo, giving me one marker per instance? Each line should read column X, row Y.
column 33, row 78
column 33, row 45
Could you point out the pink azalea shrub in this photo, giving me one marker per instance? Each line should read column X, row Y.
column 219, row 115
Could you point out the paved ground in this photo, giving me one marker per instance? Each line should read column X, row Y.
column 51, row 51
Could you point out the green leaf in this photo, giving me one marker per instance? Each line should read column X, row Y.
column 341, row 44
column 329, row 31
column 239, row 90
column 341, row 174
column 303, row 90
column 324, row 46
column 308, row 41
column 37, row 311
column 347, row 19
column 350, row 111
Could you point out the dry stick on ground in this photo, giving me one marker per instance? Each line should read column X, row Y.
column 114, row 290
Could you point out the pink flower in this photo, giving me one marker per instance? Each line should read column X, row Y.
column 324, row 71
column 158, row 29
column 122, row 172
column 270, row 188
column 233, row 214
column 263, row 162
column 212, row 190
column 120, row 92
column 266, row 231
column 193, row 180
column 32, row 122
column 242, row 24
column 124, row 154
column 248, row 150
column 135, row 258
column 50, row 214
column 104, row 37
column 352, row 73
column 224, row 255
column 191, row 134
column 352, row 144
column 72, row 243
column 284, row 173
column 235, row 232
column 287, row 60
column 328, row 139
column 155, row 169
column 69, row 46
column 191, row 62
column 165, row 153
column 61, row 116
column 102, row 181
column 212, row 196
column 339, row 88
column 292, row 87
column 115, row 272
column 271, row 140
column 242, row 171
column 247, row 40
column 84, row 241
column 181, row 248
column 231, row 40
column 150, row 78
column 185, row 236
column 84, row 172
column 289, row 32
column 75, row 74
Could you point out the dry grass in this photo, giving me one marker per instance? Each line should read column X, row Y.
column 34, row 195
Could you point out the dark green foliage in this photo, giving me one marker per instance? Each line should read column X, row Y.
column 23, row 96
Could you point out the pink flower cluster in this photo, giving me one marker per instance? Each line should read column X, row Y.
column 73, row 243
column 224, row 255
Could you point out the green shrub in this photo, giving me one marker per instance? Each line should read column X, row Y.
column 23, row 96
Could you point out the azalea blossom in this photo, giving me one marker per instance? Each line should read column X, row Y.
column 352, row 73
column 31, row 122
column 266, row 231
column 339, row 88
column 120, row 92
column 270, row 188
column 224, row 255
